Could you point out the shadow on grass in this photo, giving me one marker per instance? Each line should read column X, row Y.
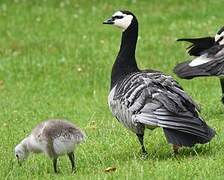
column 162, row 154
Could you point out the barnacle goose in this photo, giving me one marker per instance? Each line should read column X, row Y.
column 142, row 99
column 209, row 60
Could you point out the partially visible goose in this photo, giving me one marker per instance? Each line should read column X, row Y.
column 142, row 99
column 54, row 138
column 209, row 60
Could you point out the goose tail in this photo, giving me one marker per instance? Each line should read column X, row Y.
column 182, row 138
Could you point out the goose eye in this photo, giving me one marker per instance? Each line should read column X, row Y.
column 221, row 38
column 117, row 17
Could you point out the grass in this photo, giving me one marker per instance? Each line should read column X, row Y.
column 55, row 61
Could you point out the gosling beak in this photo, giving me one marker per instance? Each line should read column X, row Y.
column 108, row 21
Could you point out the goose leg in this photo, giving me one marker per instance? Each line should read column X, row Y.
column 141, row 140
column 222, row 86
column 55, row 165
column 175, row 149
column 51, row 153
column 72, row 160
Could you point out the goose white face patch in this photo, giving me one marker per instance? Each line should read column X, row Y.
column 122, row 20
column 220, row 38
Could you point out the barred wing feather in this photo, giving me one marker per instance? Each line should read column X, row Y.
column 156, row 100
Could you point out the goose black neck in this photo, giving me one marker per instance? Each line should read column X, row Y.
column 125, row 62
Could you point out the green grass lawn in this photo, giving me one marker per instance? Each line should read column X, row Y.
column 55, row 61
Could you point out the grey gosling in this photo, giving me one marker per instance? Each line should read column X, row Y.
column 53, row 138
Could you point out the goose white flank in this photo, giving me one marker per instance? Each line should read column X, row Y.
column 209, row 61
column 53, row 138
column 141, row 99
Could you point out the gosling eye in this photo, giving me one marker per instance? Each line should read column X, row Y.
column 17, row 156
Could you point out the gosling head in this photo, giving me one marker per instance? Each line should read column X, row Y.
column 219, row 37
column 122, row 19
column 21, row 153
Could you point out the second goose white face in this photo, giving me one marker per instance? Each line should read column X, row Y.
column 219, row 37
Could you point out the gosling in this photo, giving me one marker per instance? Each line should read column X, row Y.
column 54, row 138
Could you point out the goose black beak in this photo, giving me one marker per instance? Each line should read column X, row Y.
column 108, row 21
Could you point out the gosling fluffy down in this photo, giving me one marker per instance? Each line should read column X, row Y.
column 54, row 138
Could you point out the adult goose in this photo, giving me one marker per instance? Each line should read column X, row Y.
column 142, row 99
column 209, row 61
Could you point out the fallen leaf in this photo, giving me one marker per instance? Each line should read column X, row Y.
column 110, row 169
column 92, row 125
column 1, row 82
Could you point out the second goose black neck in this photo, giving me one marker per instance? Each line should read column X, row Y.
column 125, row 62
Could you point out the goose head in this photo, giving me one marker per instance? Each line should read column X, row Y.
column 219, row 37
column 21, row 152
column 122, row 20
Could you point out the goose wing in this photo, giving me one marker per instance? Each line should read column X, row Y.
column 155, row 99
column 210, row 63
column 198, row 45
